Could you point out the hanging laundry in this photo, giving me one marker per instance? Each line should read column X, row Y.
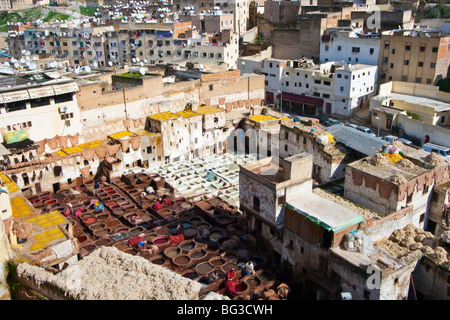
column 135, row 143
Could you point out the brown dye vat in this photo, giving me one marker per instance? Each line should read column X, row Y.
column 227, row 267
column 130, row 251
column 204, row 268
column 119, row 212
column 253, row 281
column 162, row 231
column 229, row 255
column 187, row 245
column 103, row 242
column 198, row 254
column 181, row 260
column 224, row 220
column 89, row 247
column 216, row 261
column 121, row 246
column 165, row 212
column 195, row 220
column 157, row 259
column 111, row 223
column 190, row 274
column 97, row 226
column 136, row 230
column 102, row 217
column 190, row 233
column 171, row 252
column 102, row 232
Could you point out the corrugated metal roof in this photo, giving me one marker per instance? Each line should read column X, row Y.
column 41, row 92
column 356, row 140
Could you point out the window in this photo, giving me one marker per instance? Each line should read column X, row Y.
column 211, row 87
column 327, row 83
column 406, row 62
column 420, row 64
column 339, row 48
column 63, row 98
column 422, row 48
column 386, row 45
column 391, row 65
column 256, row 203
column 408, row 47
column 371, row 51
column 435, row 49
column 432, row 65
column 393, row 51
column 317, row 81
column 339, row 75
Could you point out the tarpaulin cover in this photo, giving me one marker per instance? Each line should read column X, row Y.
column 16, row 136
column 324, row 225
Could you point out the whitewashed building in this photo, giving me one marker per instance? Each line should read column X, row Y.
column 350, row 47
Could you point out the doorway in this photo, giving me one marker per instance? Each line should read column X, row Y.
column 56, row 187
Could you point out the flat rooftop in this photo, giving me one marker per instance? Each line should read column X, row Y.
column 387, row 168
column 324, row 212
column 438, row 105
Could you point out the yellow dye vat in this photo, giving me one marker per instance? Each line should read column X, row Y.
column 20, row 207
column 187, row 113
column 121, row 134
column 262, row 117
column 43, row 239
column 79, row 148
column 208, row 110
column 162, row 116
column 10, row 185
column 48, row 220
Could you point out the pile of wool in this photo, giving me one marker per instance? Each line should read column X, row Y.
column 434, row 159
column 397, row 178
column 379, row 160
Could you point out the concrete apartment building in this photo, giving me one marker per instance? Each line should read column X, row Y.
column 330, row 88
column 350, row 46
column 239, row 9
column 128, row 43
column 15, row 4
column 411, row 56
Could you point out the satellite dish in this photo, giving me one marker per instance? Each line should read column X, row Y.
column 33, row 66
column 142, row 64
column 77, row 70
column 142, row 71
column 110, row 63
column 87, row 69
column 24, row 51
column 137, row 59
column 145, row 60
column 22, row 60
column 95, row 64
column 134, row 60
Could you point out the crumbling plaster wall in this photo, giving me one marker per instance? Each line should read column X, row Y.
column 431, row 279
